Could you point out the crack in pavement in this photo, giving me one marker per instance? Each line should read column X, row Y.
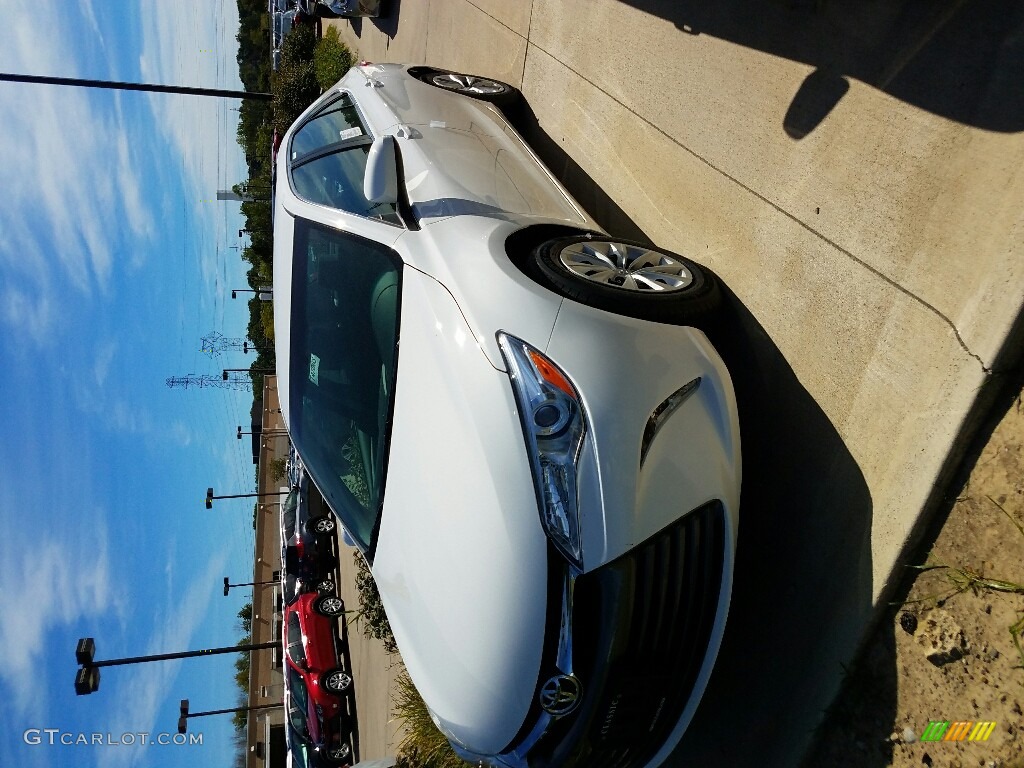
column 792, row 217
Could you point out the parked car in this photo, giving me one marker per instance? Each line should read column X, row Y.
column 304, row 751
column 316, row 677
column 307, row 541
column 335, row 9
column 514, row 418
column 281, row 25
column 302, row 754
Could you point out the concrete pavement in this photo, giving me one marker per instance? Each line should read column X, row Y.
column 855, row 179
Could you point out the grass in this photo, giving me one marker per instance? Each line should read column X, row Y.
column 424, row 745
column 963, row 579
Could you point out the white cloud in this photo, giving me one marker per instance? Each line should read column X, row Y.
column 142, row 690
column 81, row 201
column 72, row 192
column 194, row 45
column 54, row 583
column 29, row 316
column 102, row 359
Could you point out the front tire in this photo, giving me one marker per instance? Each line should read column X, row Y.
column 336, row 681
column 627, row 278
column 338, row 755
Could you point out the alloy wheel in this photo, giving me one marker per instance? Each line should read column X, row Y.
column 468, row 84
column 625, row 266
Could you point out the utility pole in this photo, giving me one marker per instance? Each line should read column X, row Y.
column 218, row 382
column 123, row 86
column 214, row 343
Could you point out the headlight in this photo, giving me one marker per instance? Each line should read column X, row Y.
column 554, row 427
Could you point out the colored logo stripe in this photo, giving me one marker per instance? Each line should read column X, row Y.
column 958, row 730
column 935, row 731
column 982, row 731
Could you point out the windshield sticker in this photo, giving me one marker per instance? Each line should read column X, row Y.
column 314, row 369
column 350, row 133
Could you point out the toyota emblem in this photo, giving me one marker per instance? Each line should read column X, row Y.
column 560, row 695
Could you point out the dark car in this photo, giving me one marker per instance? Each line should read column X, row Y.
column 317, row 676
column 308, row 558
column 302, row 754
column 337, row 9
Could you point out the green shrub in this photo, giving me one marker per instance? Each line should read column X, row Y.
column 294, row 88
column 298, row 45
column 371, row 611
column 331, row 58
column 278, row 469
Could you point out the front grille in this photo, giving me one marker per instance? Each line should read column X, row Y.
column 676, row 582
column 641, row 627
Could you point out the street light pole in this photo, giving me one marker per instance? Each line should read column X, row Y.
column 228, row 585
column 183, row 708
column 262, row 433
column 87, row 678
column 224, row 373
column 210, row 497
column 266, row 293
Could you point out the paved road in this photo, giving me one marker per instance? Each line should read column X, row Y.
column 854, row 177
column 373, row 671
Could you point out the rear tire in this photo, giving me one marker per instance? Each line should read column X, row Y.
column 329, row 605
column 322, row 525
column 474, row 86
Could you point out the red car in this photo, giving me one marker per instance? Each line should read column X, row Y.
column 319, row 686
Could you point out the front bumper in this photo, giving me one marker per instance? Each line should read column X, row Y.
column 640, row 635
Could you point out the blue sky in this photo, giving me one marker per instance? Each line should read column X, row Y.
column 115, row 259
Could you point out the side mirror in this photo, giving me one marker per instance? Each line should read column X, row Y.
column 380, row 182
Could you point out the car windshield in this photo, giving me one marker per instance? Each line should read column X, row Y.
column 346, row 299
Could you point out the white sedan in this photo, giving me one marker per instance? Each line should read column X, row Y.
column 507, row 410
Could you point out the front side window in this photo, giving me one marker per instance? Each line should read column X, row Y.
column 288, row 515
column 295, row 650
column 345, row 311
column 298, row 703
column 328, row 161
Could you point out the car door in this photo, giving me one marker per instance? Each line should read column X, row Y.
column 460, row 155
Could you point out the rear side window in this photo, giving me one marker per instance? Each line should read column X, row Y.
column 328, row 161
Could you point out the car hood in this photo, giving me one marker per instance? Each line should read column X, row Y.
column 460, row 558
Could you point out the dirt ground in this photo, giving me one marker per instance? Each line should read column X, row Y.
column 944, row 654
